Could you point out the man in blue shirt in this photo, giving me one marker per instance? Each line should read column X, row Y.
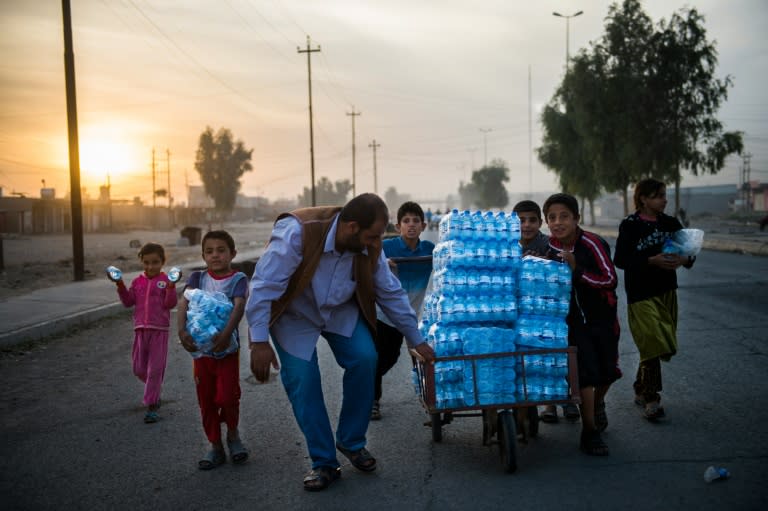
column 414, row 277
column 321, row 274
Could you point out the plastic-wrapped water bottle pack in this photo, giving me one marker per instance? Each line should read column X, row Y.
column 207, row 315
column 479, row 284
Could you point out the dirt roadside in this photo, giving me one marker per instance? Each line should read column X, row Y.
column 40, row 261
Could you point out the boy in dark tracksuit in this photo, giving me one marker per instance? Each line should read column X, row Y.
column 593, row 325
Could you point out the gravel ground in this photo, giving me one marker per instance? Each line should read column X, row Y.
column 39, row 261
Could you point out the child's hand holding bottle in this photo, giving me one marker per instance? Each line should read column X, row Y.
column 114, row 274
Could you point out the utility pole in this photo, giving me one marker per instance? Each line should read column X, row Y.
column 168, row 171
column 746, row 189
column 154, row 189
column 374, row 145
column 353, row 114
column 485, row 132
column 309, row 51
column 78, row 258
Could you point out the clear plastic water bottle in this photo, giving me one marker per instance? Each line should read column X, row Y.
column 174, row 274
column 669, row 247
column 489, row 226
column 478, row 225
column 513, row 223
column 465, row 222
column 114, row 273
column 716, row 473
column 501, row 227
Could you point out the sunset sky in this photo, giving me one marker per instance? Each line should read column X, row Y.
column 427, row 76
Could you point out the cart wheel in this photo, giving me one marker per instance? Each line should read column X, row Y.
column 489, row 426
column 437, row 427
column 507, row 441
column 533, row 421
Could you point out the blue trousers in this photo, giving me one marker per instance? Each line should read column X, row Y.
column 301, row 380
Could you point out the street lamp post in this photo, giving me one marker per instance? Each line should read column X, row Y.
column 567, row 33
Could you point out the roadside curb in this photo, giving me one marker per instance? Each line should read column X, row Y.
column 59, row 325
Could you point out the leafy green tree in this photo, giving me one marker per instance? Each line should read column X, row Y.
column 641, row 101
column 688, row 133
column 327, row 193
column 563, row 151
column 221, row 162
column 487, row 186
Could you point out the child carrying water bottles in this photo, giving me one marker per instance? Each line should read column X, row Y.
column 534, row 242
column 153, row 296
column 217, row 370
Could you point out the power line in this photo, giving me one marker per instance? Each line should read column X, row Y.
column 190, row 57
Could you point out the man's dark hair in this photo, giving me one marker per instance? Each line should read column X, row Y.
column 220, row 235
column 412, row 208
column 365, row 209
column 152, row 248
column 527, row 206
column 567, row 200
column 647, row 188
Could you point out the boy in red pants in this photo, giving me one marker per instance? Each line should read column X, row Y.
column 217, row 371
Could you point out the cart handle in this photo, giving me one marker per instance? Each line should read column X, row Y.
column 412, row 259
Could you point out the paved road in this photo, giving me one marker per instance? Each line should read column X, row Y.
column 72, row 435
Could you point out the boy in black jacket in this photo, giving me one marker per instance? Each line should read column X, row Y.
column 593, row 325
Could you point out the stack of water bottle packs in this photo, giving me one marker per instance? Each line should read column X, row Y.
column 475, row 307
column 544, row 292
column 207, row 315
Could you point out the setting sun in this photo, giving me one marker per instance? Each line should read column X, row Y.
column 102, row 155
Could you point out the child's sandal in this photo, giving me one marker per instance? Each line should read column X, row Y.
column 212, row 459
column 653, row 411
column 237, row 451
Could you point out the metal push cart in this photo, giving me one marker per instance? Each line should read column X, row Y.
column 505, row 420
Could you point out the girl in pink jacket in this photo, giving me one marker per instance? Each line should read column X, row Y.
column 153, row 296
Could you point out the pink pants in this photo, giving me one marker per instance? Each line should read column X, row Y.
column 150, row 352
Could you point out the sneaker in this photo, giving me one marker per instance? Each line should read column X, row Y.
column 151, row 417
column 375, row 411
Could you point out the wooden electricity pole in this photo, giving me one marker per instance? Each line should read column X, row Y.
column 353, row 114
column 78, row 259
column 309, row 51
column 374, row 145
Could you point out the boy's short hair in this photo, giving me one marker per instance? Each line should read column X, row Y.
column 646, row 188
column 527, row 206
column 220, row 235
column 412, row 208
column 567, row 200
column 152, row 248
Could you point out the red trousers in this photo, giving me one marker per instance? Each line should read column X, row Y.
column 218, row 392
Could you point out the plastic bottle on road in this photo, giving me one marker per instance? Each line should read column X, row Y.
column 714, row 473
